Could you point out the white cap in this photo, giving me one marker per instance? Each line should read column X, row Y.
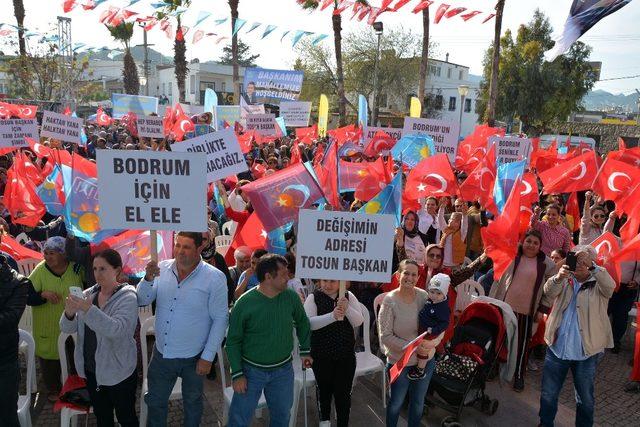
column 440, row 282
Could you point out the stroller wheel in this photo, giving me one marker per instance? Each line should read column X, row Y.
column 450, row 421
column 493, row 406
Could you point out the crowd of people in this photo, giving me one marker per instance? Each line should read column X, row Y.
column 250, row 304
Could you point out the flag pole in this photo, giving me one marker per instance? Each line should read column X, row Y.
column 153, row 242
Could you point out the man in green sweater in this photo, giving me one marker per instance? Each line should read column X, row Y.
column 260, row 343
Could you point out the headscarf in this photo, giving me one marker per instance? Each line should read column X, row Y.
column 414, row 232
column 55, row 244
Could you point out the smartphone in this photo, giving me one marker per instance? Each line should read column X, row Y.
column 571, row 260
column 76, row 292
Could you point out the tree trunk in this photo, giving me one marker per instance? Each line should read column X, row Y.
column 233, row 4
column 18, row 11
column 490, row 114
column 424, row 61
column 180, row 63
column 337, row 36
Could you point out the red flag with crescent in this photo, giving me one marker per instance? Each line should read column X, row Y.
column 614, row 179
column 433, row 176
column 479, row 183
column 407, row 352
column 607, row 246
column 103, row 118
column 182, row 124
column 573, row 175
column 380, row 141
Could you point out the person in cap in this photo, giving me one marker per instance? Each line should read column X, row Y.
column 51, row 281
column 434, row 320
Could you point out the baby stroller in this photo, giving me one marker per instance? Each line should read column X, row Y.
column 460, row 376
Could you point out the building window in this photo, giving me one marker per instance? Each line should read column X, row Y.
column 438, row 103
column 224, row 87
column 435, row 71
column 449, row 72
column 452, row 103
column 467, row 105
column 461, row 75
column 192, row 84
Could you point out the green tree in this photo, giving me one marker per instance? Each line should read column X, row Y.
column 177, row 8
column 535, row 91
column 245, row 57
column 18, row 11
column 336, row 21
column 123, row 33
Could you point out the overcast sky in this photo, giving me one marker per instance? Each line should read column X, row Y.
column 615, row 40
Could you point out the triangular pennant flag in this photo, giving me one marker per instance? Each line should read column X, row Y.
column 253, row 27
column 202, row 15
column 238, row 25
column 317, row 39
column 297, row 36
column 268, row 30
column 284, row 34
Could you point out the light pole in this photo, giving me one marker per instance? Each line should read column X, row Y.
column 378, row 28
column 146, row 58
column 463, row 91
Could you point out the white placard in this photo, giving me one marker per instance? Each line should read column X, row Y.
column 295, row 114
column 59, row 126
column 222, row 150
column 344, row 246
column 152, row 190
column 150, row 127
column 370, row 131
column 265, row 124
column 14, row 131
column 510, row 149
column 445, row 134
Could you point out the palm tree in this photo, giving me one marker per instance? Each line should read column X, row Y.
column 233, row 5
column 18, row 11
column 123, row 33
column 179, row 45
column 495, row 64
column 336, row 20
column 424, row 60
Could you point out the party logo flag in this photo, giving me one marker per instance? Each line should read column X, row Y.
column 51, row 192
column 412, row 149
column 505, row 180
column 388, row 201
column 277, row 198
column 363, row 111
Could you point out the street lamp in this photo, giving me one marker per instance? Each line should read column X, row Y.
column 378, row 28
column 463, row 91
column 143, row 82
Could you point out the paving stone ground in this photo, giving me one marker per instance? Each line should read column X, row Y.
column 614, row 407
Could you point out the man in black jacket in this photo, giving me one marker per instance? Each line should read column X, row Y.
column 13, row 299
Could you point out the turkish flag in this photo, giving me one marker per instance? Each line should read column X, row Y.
column 630, row 228
column 573, row 209
column 433, row 176
column 245, row 142
column 258, row 170
column 252, row 234
column 103, row 118
column 479, row 183
column 167, row 120
column 606, row 247
column 474, row 147
column 614, row 179
column 295, row 154
column 307, row 135
column 629, row 252
column 574, row 175
column 501, row 236
column 16, row 250
column 442, row 9
column 529, row 195
column 182, row 124
column 407, row 352
column 21, row 200
column 627, row 155
column 375, row 179
column 19, row 111
column 327, row 174
column 381, row 141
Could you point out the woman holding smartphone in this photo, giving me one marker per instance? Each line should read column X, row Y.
column 105, row 318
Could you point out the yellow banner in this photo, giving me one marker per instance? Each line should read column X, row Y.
column 415, row 108
column 323, row 115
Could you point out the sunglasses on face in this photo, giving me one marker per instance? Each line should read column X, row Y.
column 598, row 216
column 435, row 256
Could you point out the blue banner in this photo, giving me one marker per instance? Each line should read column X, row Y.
column 363, row 111
column 265, row 86
column 139, row 105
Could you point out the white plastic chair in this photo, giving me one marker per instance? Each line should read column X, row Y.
column 26, row 324
column 367, row 362
column 26, row 266
column 227, row 391
column 67, row 415
column 143, row 314
column 297, row 380
column 229, row 228
column 223, row 242
column 145, row 330
column 467, row 290
column 24, row 401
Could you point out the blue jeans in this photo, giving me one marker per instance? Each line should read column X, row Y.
column 553, row 376
column 162, row 376
column 277, row 385
column 417, row 390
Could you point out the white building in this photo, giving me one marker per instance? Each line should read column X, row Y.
column 444, row 79
column 200, row 76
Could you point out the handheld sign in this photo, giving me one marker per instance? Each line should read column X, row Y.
column 222, row 151
column 14, row 131
column 510, row 149
column 265, row 124
column 295, row 114
column 445, row 134
column 59, row 126
column 152, row 190
column 344, row 246
column 140, row 105
column 150, row 127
